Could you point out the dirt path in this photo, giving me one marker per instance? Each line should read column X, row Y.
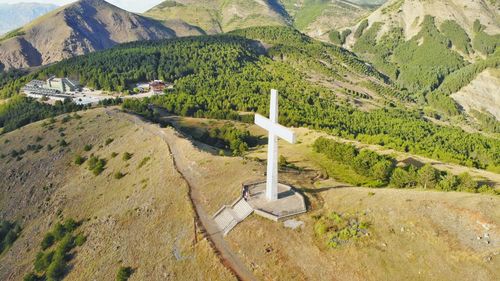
column 182, row 165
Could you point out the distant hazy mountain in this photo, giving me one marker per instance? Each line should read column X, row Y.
column 79, row 28
column 13, row 16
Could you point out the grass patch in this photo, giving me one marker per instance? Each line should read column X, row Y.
column 339, row 229
column 143, row 162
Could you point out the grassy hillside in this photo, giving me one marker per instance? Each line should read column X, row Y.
column 135, row 210
column 216, row 16
column 403, row 225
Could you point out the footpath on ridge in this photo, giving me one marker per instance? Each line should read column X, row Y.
column 182, row 165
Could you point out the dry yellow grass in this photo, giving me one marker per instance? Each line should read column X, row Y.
column 143, row 220
column 414, row 235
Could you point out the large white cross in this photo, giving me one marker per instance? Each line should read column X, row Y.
column 275, row 130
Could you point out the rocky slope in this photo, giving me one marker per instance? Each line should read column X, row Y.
column 13, row 16
column 481, row 94
column 79, row 28
column 317, row 18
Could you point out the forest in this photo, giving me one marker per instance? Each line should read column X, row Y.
column 382, row 170
column 222, row 76
column 20, row 111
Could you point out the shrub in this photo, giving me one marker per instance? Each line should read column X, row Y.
column 63, row 143
column 335, row 37
column 96, row 165
column 48, row 241
column 43, row 260
column 448, row 183
column 57, row 268
column 31, row 277
column 428, row 176
column 114, row 154
column 339, row 229
column 9, row 231
column 70, row 225
column 124, row 273
column 80, row 239
column 87, row 147
column 118, row 175
column 404, row 177
column 108, row 141
column 79, row 160
column 143, row 162
column 126, row 156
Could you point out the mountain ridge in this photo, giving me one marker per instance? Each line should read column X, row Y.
column 75, row 29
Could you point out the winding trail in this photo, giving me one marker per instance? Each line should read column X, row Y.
column 183, row 167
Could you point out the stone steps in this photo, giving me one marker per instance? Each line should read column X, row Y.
column 229, row 216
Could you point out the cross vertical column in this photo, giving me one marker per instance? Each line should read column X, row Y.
column 272, row 152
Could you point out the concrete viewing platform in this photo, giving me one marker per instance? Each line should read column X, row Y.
column 289, row 202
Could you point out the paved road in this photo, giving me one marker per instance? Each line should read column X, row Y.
column 180, row 158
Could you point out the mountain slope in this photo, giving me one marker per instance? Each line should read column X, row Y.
column 410, row 14
column 318, row 17
column 79, row 28
column 314, row 17
column 15, row 15
column 420, row 43
column 216, row 16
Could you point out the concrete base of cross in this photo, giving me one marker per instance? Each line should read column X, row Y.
column 289, row 202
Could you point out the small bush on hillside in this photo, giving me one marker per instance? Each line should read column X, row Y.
column 114, row 154
column 127, row 156
column 108, row 141
column 79, row 160
column 80, row 239
column 143, row 162
column 87, row 147
column 31, row 277
column 57, row 268
column 43, row 260
column 63, row 143
column 118, row 175
column 9, row 231
column 96, row 165
column 124, row 273
column 47, row 241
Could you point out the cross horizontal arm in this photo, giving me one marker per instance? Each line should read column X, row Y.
column 275, row 128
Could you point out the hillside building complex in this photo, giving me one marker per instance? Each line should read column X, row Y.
column 53, row 88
